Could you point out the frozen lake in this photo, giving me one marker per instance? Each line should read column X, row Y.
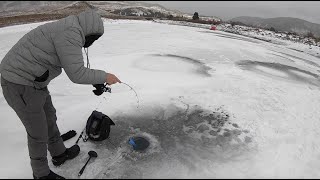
column 212, row 105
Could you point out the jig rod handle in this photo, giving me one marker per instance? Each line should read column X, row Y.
column 81, row 171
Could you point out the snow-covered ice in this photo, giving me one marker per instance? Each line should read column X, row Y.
column 212, row 105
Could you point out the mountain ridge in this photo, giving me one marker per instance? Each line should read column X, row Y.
column 289, row 24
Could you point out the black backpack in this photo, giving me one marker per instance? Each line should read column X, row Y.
column 98, row 126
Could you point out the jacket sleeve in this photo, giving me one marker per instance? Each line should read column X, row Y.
column 69, row 50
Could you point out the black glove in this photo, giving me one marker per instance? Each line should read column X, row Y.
column 68, row 135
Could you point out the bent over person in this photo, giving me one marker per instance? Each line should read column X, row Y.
column 29, row 66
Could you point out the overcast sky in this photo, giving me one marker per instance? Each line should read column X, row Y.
column 307, row 10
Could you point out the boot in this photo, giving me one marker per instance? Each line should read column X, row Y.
column 51, row 175
column 70, row 153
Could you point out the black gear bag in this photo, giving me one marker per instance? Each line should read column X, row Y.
column 98, row 126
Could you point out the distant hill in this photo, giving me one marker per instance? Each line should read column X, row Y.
column 17, row 12
column 9, row 8
column 133, row 8
column 288, row 24
column 14, row 8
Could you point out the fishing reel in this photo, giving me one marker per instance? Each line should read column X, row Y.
column 100, row 89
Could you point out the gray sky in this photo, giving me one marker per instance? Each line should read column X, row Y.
column 307, row 10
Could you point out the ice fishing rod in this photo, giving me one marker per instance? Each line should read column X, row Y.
column 101, row 88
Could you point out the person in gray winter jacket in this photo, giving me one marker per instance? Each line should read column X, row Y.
column 30, row 65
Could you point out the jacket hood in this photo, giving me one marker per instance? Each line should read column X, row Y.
column 91, row 23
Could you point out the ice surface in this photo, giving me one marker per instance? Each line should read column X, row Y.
column 272, row 71
column 211, row 105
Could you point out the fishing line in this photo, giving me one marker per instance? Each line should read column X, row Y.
column 100, row 103
column 87, row 53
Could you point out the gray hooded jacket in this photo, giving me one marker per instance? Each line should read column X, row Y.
column 39, row 55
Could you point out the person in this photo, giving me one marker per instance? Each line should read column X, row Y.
column 29, row 66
